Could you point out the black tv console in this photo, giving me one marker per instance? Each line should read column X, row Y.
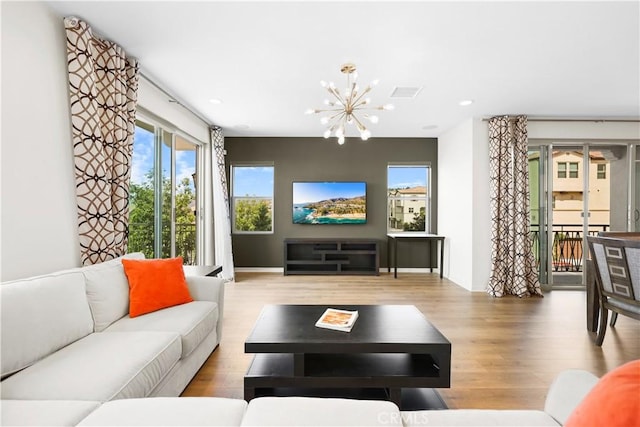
column 331, row 256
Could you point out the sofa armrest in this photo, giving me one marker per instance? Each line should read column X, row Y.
column 205, row 288
column 567, row 391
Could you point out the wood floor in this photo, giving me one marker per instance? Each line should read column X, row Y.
column 505, row 352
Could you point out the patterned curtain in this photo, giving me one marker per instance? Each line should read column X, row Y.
column 513, row 264
column 103, row 85
column 221, row 218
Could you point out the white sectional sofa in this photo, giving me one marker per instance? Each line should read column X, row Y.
column 564, row 395
column 71, row 355
column 67, row 338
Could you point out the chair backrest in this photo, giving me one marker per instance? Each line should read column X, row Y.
column 617, row 266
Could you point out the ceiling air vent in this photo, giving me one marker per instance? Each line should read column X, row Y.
column 405, row 92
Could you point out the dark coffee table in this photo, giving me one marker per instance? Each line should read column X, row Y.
column 392, row 353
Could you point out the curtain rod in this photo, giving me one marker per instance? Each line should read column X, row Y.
column 173, row 99
column 104, row 42
column 575, row 120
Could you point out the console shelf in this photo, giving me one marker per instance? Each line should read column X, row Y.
column 331, row 256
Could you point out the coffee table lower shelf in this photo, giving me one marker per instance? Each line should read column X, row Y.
column 406, row 379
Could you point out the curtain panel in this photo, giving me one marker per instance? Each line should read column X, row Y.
column 513, row 269
column 221, row 208
column 103, row 85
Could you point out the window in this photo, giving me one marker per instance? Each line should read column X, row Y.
column 602, row 171
column 573, row 170
column 162, row 194
column 562, row 170
column 252, row 198
column 408, row 198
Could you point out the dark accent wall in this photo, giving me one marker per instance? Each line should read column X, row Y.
column 318, row 159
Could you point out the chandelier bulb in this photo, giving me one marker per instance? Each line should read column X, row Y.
column 323, row 83
column 341, row 140
column 364, row 135
column 310, row 111
column 388, row 107
column 373, row 119
column 327, row 133
column 327, row 102
column 374, row 83
column 324, row 120
column 367, row 101
column 350, row 119
column 331, row 85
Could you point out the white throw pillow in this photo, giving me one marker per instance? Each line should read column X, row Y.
column 108, row 290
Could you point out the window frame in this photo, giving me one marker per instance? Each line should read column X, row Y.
column 427, row 206
column 601, row 172
column 576, row 171
column 562, row 172
column 233, row 197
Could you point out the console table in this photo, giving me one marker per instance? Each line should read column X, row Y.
column 393, row 352
column 392, row 239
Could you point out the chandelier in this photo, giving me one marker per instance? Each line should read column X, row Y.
column 348, row 107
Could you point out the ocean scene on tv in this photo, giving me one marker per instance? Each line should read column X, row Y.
column 329, row 203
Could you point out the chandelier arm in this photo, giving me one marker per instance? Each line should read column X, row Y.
column 366, row 91
column 361, row 127
column 336, row 94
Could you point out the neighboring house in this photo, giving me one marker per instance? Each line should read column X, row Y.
column 568, row 188
column 404, row 204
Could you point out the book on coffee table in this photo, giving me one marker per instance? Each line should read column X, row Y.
column 339, row 320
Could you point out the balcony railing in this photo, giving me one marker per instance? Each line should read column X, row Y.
column 141, row 240
column 567, row 245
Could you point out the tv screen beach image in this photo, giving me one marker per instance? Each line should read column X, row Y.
column 329, row 203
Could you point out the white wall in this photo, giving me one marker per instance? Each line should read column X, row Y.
column 455, row 202
column 39, row 222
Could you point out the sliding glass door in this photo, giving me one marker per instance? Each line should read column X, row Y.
column 576, row 190
column 164, row 202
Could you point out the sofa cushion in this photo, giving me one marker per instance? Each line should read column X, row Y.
column 193, row 321
column 101, row 367
column 169, row 411
column 108, row 290
column 44, row 412
column 477, row 417
column 314, row 411
column 41, row 315
column 155, row 284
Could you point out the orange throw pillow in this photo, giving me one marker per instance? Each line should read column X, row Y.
column 155, row 284
column 613, row 401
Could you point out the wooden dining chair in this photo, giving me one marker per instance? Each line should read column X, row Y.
column 617, row 272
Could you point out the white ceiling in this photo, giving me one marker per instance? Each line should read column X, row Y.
column 265, row 59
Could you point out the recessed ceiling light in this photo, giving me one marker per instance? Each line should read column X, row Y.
column 466, row 102
column 215, row 101
column 429, row 127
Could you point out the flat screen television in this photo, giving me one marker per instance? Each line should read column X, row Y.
column 329, row 202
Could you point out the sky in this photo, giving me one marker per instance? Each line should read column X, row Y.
column 252, row 181
column 407, row 176
column 142, row 161
column 305, row 192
